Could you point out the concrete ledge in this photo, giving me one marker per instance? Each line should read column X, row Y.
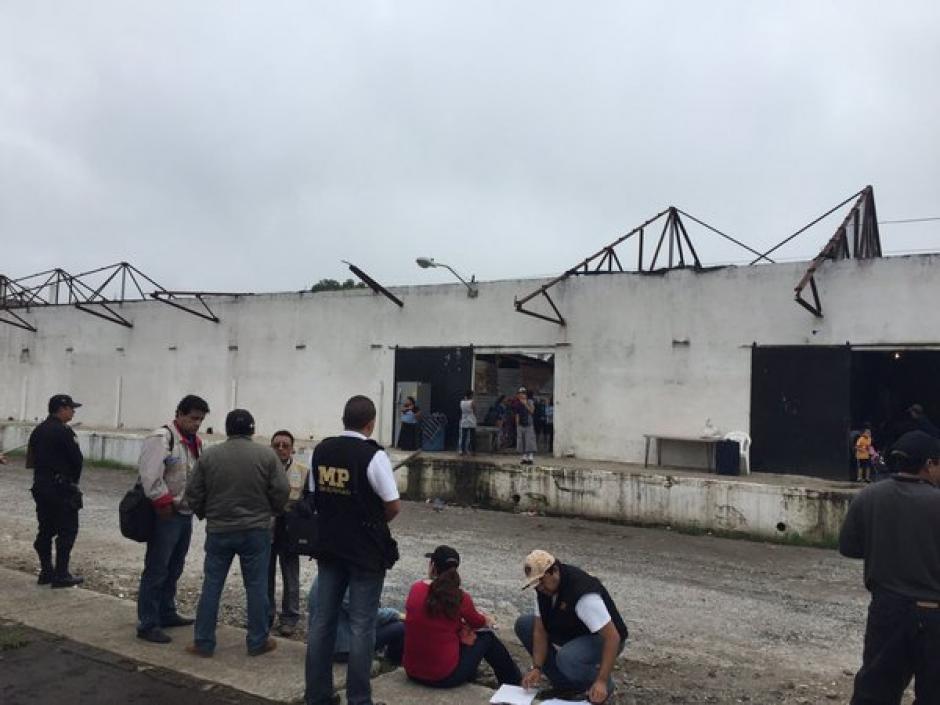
column 689, row 501
column 395, row 689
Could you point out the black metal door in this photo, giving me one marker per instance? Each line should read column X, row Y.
column 800, row 409
column 449, row 372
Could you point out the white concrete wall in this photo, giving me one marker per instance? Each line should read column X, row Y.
column 640, row 353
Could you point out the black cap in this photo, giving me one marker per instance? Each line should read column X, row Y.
column 444, row 557
column 239, row 422
column 915, row 448
column 59, row 400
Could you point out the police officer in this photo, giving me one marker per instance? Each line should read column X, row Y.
column 895, row 526
column 355, row 497
column 56, row 459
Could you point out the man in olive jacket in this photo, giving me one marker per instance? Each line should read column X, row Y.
column 236, row 486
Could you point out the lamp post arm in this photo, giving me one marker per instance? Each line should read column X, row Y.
column 472, row 290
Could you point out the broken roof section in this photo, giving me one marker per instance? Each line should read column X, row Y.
column 674, row 250
column 98, row 292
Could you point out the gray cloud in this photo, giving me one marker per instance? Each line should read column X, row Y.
column 262, row 143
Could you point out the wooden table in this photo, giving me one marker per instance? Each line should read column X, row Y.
column 708, row 442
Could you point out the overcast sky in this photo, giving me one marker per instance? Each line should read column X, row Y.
column 252, row 146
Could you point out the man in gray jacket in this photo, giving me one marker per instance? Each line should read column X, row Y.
column 237, row 486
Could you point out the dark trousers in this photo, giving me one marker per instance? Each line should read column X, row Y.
column 902, row 641
column 290, row 578
column 487, row 648
column 468, row 440
column 163, row 566
column 58, row 519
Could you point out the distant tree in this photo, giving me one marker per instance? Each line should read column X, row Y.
column 335, row 285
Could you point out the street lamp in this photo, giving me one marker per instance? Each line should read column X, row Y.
column 428, row 262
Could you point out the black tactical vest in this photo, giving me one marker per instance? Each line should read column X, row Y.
column 561, row 621
column 350, row 515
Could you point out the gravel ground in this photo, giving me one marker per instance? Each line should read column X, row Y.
column 711, row 620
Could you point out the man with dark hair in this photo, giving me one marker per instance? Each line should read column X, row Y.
column 576, row 632
column 237, row 486
column 56, row 459
column 166, row 459
column 282, row 443
column 355, row 496
column 895, row 527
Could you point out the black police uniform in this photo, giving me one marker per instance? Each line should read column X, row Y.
column 56, row 460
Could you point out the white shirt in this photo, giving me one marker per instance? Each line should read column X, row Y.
column 590, row 609
column 379, row 473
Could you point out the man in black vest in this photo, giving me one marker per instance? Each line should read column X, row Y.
column 355, row 498
column 56, row 459
column 576, row 633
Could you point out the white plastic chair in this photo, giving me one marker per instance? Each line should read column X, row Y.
column 744, row 441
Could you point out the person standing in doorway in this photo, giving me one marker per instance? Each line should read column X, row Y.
column 237, row 486
column 56, row 460
column 283, row 444
column 166, row 460
column 468, row 424
column 355, row 497
column 894, row 526
column 409, row 435
column 863, row 452
column 523, row 410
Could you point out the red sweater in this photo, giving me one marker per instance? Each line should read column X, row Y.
column 432, row 644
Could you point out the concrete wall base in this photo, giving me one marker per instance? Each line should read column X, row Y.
column 685, row 502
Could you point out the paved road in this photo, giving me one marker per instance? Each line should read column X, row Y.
column 711, row 620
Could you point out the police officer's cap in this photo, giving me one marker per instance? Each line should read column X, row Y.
column 59, row 400
column 239, row 422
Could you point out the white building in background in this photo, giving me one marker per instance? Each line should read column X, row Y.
column 639, row 354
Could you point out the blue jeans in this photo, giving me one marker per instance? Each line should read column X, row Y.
column 365, row 590
column 575, row 665
column 163, row 566
column 253, row 548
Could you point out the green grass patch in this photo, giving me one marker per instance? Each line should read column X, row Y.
column 111, row 465
column 12, row 637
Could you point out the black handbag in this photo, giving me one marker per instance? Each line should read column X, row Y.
column 302, row 528
column 137, row 515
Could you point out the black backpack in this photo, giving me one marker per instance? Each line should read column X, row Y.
column 136, row 514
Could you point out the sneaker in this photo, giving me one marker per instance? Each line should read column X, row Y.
column 45, row 577
column 154, row 636
column 176, row 620
column 67, row 581
column 268, row 646
column 196, row 651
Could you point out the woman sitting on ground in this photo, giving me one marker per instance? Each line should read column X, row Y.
column 445, row 636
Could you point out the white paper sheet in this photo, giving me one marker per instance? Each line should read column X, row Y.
column 513, row 695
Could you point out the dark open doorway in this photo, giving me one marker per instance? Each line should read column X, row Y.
column 806, row 401
column 449, row 373
column 885, row 383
